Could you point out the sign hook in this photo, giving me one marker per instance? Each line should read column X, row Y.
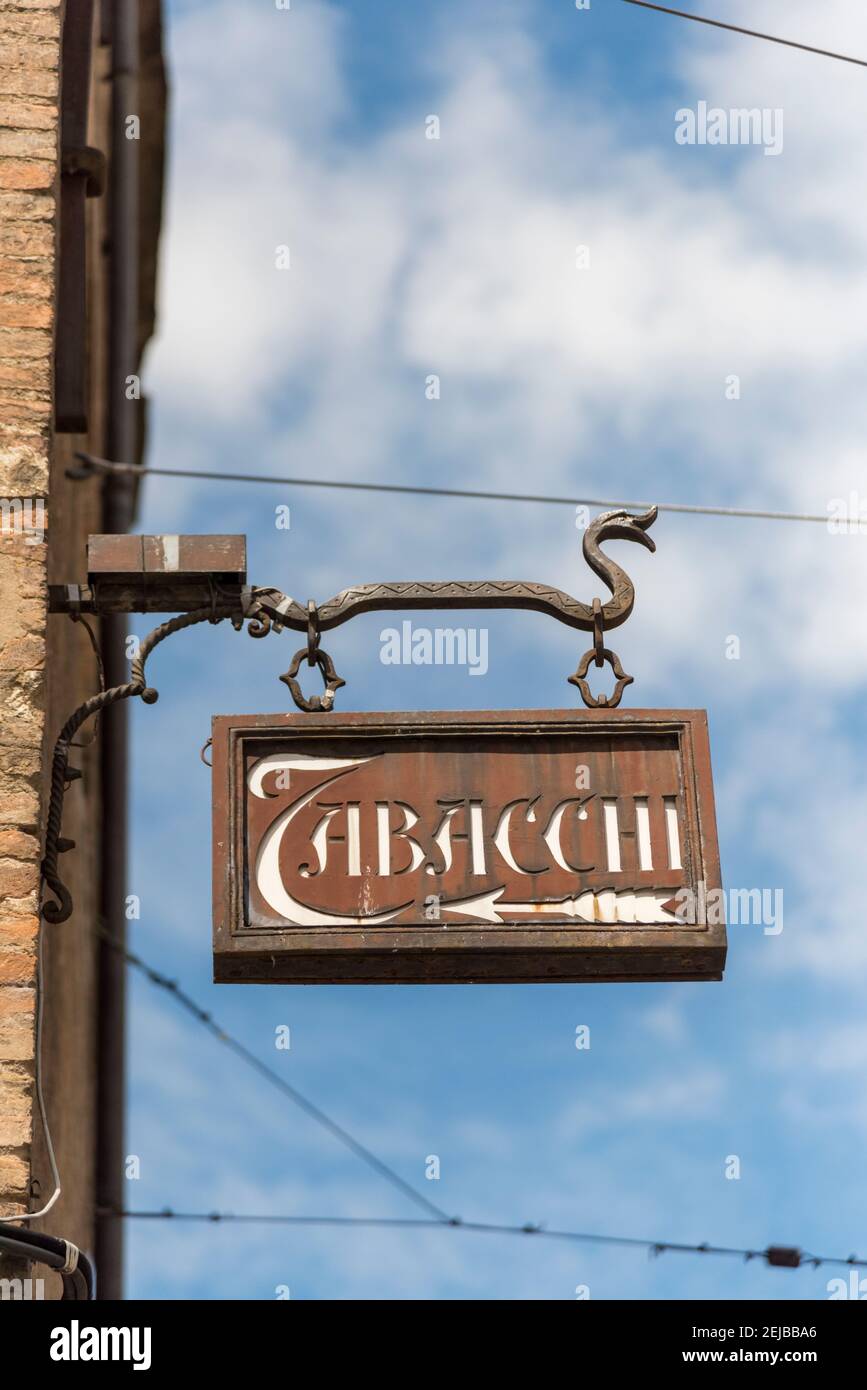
column 599, row 654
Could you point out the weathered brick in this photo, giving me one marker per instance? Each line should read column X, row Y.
column 17, row 879
column 14, row 82
column 19, row 750
column 17, row 737
column 15, row 1130
column 15, row 313
column 21, row 906
column 21, row 808
column 20, row 933
column 28, row 26
column 26, row 207
column 23, row 522
column 27, row 238
column 27, row 144
column 10, row 552
column 23, row 468
column 23, row 653
column 17, row 1038
column 29, row 129
column 27, row 115
column 16, row 1082
column 14, row 1174
column 23, row 407
column 17, row 968
column 34, row 430
column 26, row 173
column 25, row 278
column 25, row 696
column 15, row 1107
column 15, row 844
column 21, row 533
column 23, row 397
column 26, row 374
column 32, row 54
column 24, row 345
column 17, row 1004
column 19, row 760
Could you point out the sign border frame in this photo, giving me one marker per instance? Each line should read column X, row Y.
column 455, row 953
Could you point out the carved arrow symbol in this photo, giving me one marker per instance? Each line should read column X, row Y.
column 607, row 907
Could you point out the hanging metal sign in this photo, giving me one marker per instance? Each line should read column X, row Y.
column 524, row 845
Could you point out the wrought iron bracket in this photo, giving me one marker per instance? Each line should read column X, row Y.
column 139, row 574
column 147, row 574
column 580, row 679
column 484, row 593
column 317, row 703
column 158, row 574
column 84, row 159
column 62, row 775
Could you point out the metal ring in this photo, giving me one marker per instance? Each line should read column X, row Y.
column 312, row 632
column 601, row 701
column 598, row 634
column 317, row 703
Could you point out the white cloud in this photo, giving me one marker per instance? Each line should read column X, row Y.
column 457, row 257
column 695, row 1092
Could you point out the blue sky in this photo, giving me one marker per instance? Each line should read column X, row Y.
column 305, row 128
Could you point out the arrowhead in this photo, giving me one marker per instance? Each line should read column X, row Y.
column 651, row 909
column 482, row 907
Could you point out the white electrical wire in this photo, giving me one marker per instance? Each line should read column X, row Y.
column 49, row 1144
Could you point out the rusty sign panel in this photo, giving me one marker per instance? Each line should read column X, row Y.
column 525, row 845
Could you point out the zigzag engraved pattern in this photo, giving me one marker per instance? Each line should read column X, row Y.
column 464, row 593
column 484, row 593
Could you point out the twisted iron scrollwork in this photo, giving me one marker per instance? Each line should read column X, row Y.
column 62, row 775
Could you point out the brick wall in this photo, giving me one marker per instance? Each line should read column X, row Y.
column 47, row 666
column 30, row 34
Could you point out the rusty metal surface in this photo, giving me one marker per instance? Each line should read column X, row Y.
column 171, row 573
column 114, row 562
column 315, row 703
column 483, row 593
column 580, row 678
column 157, row 574
column 115, row 554
column 514, row 845
column 126, row 555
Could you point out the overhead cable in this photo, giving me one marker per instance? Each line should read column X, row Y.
column 750, row 33
column 473, row 494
